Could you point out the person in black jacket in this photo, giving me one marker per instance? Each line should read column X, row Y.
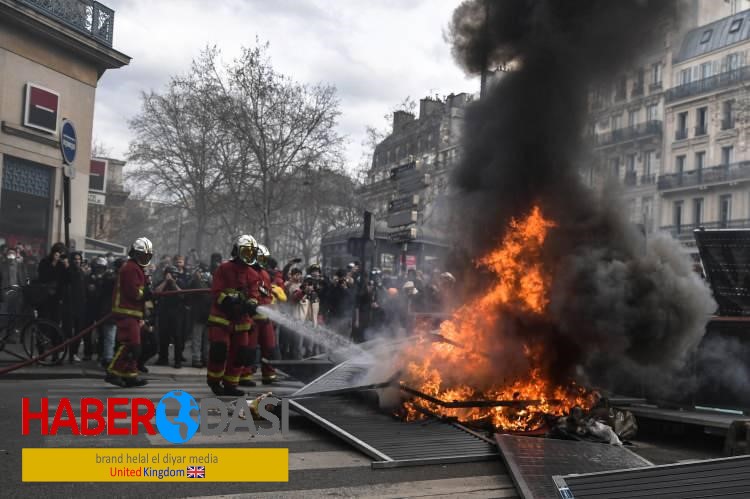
column 100, row 287
column 52, row 273
column 74, row 308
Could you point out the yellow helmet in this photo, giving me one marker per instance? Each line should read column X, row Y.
column 245, row 249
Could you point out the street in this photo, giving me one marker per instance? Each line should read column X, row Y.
column 319, row 464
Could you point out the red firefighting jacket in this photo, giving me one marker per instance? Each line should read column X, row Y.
column 233, row 278
column 127, row 298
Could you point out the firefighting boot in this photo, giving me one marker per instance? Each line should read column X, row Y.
column 216, row 388
column 247, row 382
column 233, row 391
column 114, row 380
column 135, row 382
column 269, row 378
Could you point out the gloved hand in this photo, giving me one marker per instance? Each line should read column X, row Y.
column 251, row 306
column 148, row 295
column 232, row 306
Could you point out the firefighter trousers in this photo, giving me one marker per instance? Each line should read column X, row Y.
column 125, row 361
column 227, row 351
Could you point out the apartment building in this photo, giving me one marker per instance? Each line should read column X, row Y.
column 706, row 175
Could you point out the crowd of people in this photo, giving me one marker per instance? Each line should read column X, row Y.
column 355, row 304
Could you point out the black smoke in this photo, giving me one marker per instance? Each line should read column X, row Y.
column 620, row 304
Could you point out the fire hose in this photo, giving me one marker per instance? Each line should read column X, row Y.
column 88, row 330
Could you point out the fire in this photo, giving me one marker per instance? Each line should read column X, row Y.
column 457, row 367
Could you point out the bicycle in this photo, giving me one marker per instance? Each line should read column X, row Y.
column 37, row 335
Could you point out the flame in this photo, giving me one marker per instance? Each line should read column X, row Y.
column 456, row 367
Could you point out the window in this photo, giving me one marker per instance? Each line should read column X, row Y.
column 630, row 163
column 649, row 162
column 725, row 210
column 697, row 211
column 633, row 118
column 701, row 126
column 684, row 76
column 679, row 164
column 735, row 26
column 621, row 88
column 681, row 132
column 616, row 121
column 706, row 70
column 677, row 215
column 646, row 212
column 727, row 155
column 727, row 114
column 652, row 112
column 706, row 36
column 615, row 167
column 733, row 61
column 656, row 74
column 700, row 160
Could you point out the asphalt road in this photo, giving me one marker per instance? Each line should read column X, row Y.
column 320, row 464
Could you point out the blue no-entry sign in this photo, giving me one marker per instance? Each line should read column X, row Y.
column 68, row 142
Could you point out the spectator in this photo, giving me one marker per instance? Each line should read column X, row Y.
column 340, row 304
column 366, row 303
column 305, row 307
column 100, row 287
column 200, row 306
column 74, row 303
column 53, row 275
column 170, row 319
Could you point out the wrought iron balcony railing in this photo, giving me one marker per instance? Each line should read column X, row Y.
column 87, row 16
column 648, row 179
column 630, row 178
column 654, row 87
column 714, row 174
column 685, row 231
column 629, row 133
column 680, row 134
column 637, row 90
column 701, row 130
column 715, row 82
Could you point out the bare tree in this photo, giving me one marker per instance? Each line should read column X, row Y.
column 286, row 126
column 178, row 141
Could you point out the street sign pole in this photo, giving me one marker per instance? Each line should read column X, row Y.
column 68, row 147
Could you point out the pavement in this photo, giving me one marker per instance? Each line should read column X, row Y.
column 320, row 465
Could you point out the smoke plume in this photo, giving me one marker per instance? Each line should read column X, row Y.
column 619, row 303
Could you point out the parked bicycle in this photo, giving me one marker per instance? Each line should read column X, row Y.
column 35, row 334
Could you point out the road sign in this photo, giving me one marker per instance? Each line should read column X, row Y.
column 402, row 204
column 68, row 142
column 403, row 235
column 96, row 198
column 401, row 171
column 402, row 218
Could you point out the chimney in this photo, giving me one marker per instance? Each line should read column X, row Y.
column 429, row 107
column 400, row 118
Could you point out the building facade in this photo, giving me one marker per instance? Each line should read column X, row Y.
column 52, row 55
column 706, row 178
column 107, row 213
column 430, row 142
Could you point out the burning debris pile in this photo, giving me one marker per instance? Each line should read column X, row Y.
column 569, row 290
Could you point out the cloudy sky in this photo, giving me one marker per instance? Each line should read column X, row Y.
column 375, row 52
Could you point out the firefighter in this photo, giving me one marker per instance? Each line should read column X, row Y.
column 235, row 299
column 268, row 293
column 131, row 292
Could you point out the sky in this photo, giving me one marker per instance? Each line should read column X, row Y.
column 376, row 53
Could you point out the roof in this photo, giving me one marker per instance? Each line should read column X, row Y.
column 719, row 37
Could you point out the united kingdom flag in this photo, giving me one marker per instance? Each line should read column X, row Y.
column 196, row 472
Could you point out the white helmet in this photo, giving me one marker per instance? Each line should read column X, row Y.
column 142, row 251
column 263, row 255
column 245, row 249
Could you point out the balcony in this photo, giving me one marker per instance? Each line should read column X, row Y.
column 715, row 174
column 637, row 90
column 680, row 134
column 727, row 123
column 649, row 179
column 685, row 231
column 629, row 133
column 716, row 82
column 86, row 16
column 701, row 130
column 655, row 87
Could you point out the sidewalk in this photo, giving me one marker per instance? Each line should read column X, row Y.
column 89, row 369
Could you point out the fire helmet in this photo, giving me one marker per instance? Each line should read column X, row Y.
column 141, row 251
column 245, row 249
column 263, row 255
